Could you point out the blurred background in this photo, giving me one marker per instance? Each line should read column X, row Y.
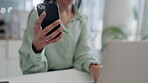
column 107, row 20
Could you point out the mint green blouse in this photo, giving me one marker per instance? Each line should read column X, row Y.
column 73, row 49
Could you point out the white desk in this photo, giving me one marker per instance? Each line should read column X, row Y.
column 64, row 76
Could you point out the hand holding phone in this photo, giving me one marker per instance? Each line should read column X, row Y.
column 50, row 33
column 52, row 14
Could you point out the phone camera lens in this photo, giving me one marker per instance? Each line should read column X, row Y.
column 41, row 6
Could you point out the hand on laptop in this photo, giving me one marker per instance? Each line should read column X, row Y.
column 95, row 69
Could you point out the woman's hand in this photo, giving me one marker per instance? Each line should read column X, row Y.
column 40, row 39
column 95, row 69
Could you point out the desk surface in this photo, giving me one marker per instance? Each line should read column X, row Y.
column 64, row 76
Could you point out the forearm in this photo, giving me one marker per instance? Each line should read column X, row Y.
column 32, row 62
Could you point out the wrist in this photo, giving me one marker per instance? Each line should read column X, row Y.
column 35, row 49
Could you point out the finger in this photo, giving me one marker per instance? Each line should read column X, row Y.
column 56, row 39
column 55, row 33
column 39, row 21
column 95, row 72
column 50, row 27
column 94, row 77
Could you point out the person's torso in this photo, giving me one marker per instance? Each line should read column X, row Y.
column 60, row 54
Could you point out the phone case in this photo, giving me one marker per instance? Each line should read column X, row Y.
column 52, row 14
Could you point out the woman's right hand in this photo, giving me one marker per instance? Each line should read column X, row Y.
column 40, row 39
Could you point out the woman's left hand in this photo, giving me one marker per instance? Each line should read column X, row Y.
column 95, row 69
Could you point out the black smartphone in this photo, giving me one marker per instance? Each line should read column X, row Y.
column 52, row 14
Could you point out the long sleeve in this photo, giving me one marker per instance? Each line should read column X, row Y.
column 31, row 62
column 83, row 58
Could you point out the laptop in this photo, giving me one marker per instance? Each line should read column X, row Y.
column 125, row 62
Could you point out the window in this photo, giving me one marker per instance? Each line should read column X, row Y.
column 94, row 9
column 144, row 21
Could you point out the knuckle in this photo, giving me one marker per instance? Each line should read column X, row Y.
column 57, row 39
column 54, row 40
column 37, row 23
column 50, row 41
column 58, row 30
column 45, row 30
column 50, row 37
column 54, row 24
